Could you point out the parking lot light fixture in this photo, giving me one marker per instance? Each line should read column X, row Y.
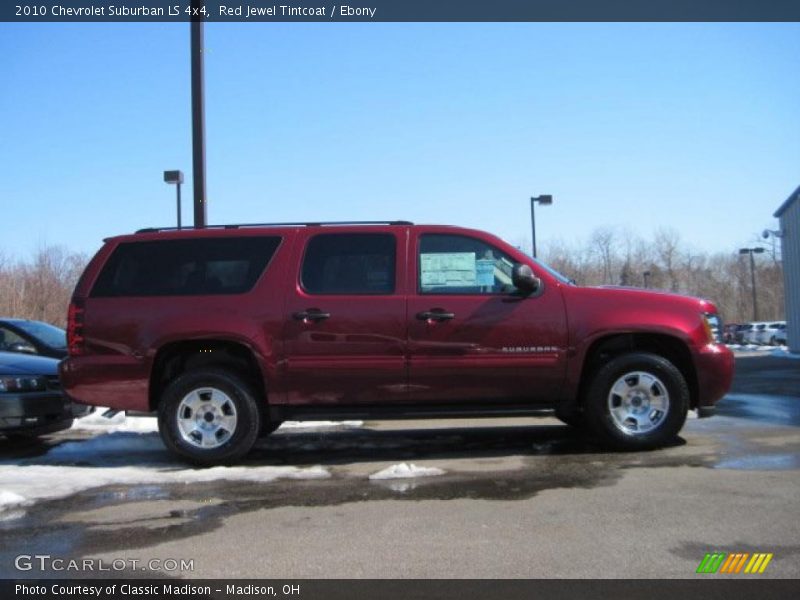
column 751, row 251
column 543, row 200
column 175, row 177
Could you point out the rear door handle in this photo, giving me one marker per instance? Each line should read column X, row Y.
column 312, row 314
column 435, row 314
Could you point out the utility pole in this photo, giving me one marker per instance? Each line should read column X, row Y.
column 198, row 119
column 752, row 251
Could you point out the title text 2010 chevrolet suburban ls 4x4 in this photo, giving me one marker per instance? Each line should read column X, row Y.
column 227, row 331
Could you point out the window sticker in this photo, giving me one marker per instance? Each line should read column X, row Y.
column 484, row 269
column 448, row 269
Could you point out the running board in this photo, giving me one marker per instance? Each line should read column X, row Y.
column 349, row 413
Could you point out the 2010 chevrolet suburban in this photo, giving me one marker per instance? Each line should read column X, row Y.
column 227, row 331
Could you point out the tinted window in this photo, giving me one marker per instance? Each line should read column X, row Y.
column 54, row 337
column 185, row 267
column 357, row 263
column 8, row 338
column 455, row 264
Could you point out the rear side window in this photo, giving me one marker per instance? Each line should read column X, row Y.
column 342, row 263
column 185, row 267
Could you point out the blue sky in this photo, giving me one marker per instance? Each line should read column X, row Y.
column 636, row 126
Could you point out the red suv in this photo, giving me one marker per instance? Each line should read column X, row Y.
column 227, row 331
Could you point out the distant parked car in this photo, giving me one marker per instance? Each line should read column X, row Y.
column 741, row 330
column 751, row 334
column 780, row 336
column 31, row 402
column 766, row 335
column 729, row 333
column 32, row 337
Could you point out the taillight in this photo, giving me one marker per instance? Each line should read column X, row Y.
column 76, row 344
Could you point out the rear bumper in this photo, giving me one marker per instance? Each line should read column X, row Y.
column 39, row 412
column 714, row 365
column 118, row 382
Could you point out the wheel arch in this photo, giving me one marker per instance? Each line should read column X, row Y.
column 669, row 347
column 175, row 358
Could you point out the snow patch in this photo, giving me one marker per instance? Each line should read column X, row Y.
column 117, row 458
column 406, row 470
column 11, row 500
column 125, row 450
column 750, row 348
column 119, row 422
column 25, row 484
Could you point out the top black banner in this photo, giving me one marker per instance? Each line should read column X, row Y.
column 399, row 10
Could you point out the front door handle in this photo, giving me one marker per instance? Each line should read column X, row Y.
column 435, row 314
column 311, row 315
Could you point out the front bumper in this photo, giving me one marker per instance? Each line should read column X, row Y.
column 42, row 412
column 714, row 367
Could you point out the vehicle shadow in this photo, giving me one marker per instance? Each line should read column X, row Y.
column 325, row 447
column 398, row 445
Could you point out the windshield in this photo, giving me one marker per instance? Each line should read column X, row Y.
column 48, row 334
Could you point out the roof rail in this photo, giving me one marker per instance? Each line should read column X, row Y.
column 241, row 225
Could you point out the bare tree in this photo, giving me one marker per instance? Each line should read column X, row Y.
column 41, row 288
column 667, row 243
column 614, row 256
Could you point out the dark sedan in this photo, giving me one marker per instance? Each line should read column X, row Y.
column 31, row 402
column 32, row 337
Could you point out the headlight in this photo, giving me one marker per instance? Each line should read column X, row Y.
column 22, row 383
column 713, row 326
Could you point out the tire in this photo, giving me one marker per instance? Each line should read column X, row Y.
column 637, row 401
column 209, row 417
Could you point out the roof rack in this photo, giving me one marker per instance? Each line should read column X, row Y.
column 241, row 225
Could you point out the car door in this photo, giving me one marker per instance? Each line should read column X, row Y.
column 472, row 337
column 344, row 325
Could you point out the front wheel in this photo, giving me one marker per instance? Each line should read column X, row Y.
column 209, row 417
column 637, row 401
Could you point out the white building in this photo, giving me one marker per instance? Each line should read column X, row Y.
column 789, row 216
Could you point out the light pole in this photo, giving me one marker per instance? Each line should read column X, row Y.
column 543, row 200
column 752, row 251
column 175, row 177
column 646, row 276
column 198, row 116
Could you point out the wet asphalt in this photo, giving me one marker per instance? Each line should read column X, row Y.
column 519, row 498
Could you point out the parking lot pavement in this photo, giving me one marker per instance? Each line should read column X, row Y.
column 429, row 499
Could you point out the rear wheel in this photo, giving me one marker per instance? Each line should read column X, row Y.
column 209, row 416
column 637, row 401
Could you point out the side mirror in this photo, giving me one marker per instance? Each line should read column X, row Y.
column 524, row 280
